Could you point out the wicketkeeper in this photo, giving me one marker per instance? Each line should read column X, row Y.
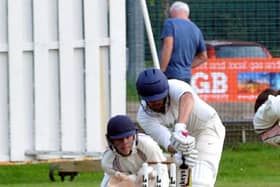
column 175, row 117
column 267, row 116
column 128, row 150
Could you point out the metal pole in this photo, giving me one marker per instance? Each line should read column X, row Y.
column 150, row 33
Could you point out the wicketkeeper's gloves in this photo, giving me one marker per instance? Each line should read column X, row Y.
column 121, row 179
column 181, row 140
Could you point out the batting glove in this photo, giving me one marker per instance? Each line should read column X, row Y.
column 189, row 160
column 181, row 140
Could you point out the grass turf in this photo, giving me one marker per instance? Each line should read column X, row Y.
column 244, row 165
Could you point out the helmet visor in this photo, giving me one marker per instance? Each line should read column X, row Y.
column 155, row 97
column 123, row 135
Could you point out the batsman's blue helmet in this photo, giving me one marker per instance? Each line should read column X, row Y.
column 120, row 126
column 152, row 85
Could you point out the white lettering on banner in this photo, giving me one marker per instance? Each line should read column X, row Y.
column 256, row 66
column 272, row 65
column 237, row 65
column 200, row 82
column 214, row 96
column 218, row 66
column 203, row 66
column 251, row 97
column 219, row 82
column 215, row 82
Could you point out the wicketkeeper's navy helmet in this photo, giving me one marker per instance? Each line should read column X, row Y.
column 152, row 85
column 120, row 126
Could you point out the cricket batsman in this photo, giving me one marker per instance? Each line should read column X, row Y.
column 128, row 150
column 175, row 117
column 267, row 116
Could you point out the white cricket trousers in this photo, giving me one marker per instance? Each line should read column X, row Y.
column 209, row 143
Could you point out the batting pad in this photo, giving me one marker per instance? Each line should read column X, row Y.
column 202, row 175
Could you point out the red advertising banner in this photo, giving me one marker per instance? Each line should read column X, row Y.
column 235, row 80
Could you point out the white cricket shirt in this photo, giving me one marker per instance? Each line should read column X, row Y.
column 146, row 150
column 267, row 114
column 159, row 125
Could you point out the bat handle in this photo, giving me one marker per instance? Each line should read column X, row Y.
column 183, row 165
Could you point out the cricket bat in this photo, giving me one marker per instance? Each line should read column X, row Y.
column 184, row 175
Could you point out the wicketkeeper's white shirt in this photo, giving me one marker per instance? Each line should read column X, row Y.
column 146, row 150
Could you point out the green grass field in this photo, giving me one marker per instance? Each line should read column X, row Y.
column 250, row 165
column 245, row 165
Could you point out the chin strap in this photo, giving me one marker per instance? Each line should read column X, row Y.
column 150, row 111
column 133, row 150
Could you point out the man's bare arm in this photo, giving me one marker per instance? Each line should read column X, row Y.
column 199, row 59
column 166, row 52
column 185, row 107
